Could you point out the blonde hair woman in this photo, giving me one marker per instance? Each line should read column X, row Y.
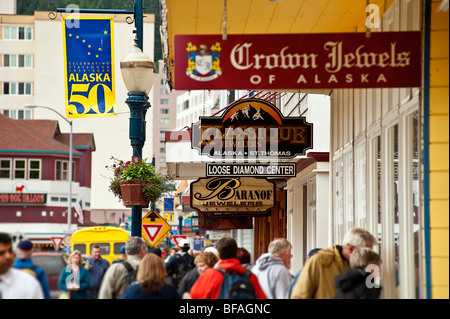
column 75, row 279
column 151, row 281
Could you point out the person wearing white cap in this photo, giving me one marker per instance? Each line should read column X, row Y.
column 180, row 263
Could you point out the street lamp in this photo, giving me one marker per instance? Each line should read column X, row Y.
column 138, row 73
column 69, row 206
column 179, row 213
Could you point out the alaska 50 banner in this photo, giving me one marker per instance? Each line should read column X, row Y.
column 89, row 67
column 296, row 61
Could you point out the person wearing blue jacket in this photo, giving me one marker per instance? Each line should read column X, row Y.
column 24, row 262
column 74, row 278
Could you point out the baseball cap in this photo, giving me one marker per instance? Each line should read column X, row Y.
column 25, row 246
column 184, row 243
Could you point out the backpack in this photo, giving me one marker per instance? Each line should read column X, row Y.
column 185, row 265
column 131, row 276
column 32, row 272
column 236, row 286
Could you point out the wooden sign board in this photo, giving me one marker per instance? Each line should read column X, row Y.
column 211, row 222
column 232, row 195
column 252, row 129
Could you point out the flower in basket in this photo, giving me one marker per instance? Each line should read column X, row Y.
column 153, row 184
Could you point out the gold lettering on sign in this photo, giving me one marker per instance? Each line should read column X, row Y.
column 223, row 188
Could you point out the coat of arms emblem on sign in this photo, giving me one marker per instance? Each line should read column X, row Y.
column 203, row 63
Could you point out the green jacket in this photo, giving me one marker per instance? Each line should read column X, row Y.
column 316, row 280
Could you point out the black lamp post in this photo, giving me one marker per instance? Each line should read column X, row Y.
column 138, row 72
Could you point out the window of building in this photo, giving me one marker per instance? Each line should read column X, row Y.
column 164, row 91
column 339, row 198
column 162, row 150
column 17, row 88
column 185, row 105
column 361, row 185
column 165, row 111
column 162, row 159
column 5, row 168
column 17, row 114
column 62, row 170
column 164, row 101
column 34, row 171
column 164, row 130
column 19, row 168
column 17, row 33
column 17, row 60
column 164, row 81
column 165, row 121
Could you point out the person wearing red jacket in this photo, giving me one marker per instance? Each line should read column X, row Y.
column 209, row 283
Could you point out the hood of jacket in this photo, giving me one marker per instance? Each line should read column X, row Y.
column 231, row 265
column 267, row 260
column 23, row 263
column 349, row 278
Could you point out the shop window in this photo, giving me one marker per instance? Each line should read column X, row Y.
column 349, row 205
column 361, row 186
column 339, row 199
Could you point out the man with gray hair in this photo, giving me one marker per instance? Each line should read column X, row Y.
column 116, row 278
column 272, row 269
column 316, row 280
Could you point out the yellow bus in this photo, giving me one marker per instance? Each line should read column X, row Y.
column 110, row 239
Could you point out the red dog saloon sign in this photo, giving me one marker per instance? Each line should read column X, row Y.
column 296, row 61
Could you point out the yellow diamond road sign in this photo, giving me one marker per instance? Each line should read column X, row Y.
column 154, row 228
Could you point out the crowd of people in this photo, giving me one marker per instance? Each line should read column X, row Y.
column 221, row 272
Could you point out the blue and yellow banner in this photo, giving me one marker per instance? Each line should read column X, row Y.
column 89, row 67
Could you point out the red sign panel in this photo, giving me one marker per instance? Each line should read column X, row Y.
column 298, row 61
column 23, row 199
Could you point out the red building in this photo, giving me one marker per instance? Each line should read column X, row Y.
column 34, row 175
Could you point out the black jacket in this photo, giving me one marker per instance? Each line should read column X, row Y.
column 351, row 284
column 188, row 281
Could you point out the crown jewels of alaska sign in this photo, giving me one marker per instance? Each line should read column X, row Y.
column 298, row 61
column 251, row 129
column 232, row 195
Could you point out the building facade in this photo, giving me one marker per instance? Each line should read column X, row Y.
column 164, row 109
column 34, row 180
column 32, row 72
column 388, row 153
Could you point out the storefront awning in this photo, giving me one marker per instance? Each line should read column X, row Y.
column 226, row 17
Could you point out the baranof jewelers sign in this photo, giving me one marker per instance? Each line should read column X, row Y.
column 232, row 195
column 298, row 61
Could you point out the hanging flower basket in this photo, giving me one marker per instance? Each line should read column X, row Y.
column 132, row 193
column 137, row 183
